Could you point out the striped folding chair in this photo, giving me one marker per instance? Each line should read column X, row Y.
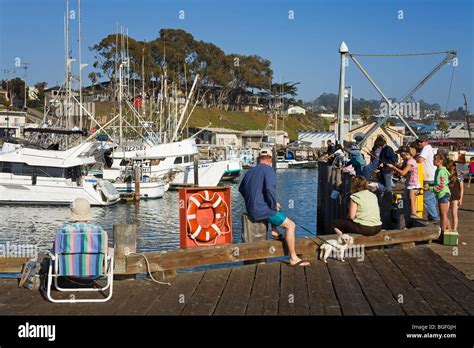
column 81, row 252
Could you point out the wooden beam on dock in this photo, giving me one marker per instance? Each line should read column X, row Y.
column 12, row 264
column 187, row 258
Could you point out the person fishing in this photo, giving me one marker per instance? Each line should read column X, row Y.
column 258, row 188
column 387, row 156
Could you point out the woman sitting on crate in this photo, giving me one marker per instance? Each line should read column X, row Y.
column 364, row 213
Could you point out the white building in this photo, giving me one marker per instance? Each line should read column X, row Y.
column 296, row 110
column 316, row 138
column 11, row 123
column 255, row 138
column 330, row 116
column 220, row 136
column 460, row 132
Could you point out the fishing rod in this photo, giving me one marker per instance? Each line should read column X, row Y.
column 311, row 232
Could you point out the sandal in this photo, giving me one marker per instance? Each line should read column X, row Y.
column 299, row 264
column 278, row 238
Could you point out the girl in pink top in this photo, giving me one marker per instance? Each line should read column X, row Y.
column 471, row 171
column 409, row 169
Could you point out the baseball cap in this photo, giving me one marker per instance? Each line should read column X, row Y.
column 265, row 152
column 403, row 149
column 422, row 138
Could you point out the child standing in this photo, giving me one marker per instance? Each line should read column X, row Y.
column 471, row 171
column 441, row 190
column 456, row 186
column 409, row 169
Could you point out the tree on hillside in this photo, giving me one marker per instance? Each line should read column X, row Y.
column 365, row 115
column 224, row 79
column 443, row 126
column 38, row 95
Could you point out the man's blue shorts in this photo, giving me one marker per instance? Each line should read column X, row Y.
column 277, row 218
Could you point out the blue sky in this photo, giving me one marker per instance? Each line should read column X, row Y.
column 304, row 49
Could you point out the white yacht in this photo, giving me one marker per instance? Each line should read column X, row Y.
column 171, row 162
column 35, row 176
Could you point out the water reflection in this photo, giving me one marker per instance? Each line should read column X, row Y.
column 157, row 219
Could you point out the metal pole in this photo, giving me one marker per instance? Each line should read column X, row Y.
column 350, row 109
column 196, row 170
column 343, row 50
column 383, row 96
column 120, row 106
column 25, row 65
column 81, row 66
column 467, row 121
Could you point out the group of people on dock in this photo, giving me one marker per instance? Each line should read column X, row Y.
column 442, row 183
column 442, row 188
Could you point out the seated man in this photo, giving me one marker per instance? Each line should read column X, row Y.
column 80, row 214
column 258, row 187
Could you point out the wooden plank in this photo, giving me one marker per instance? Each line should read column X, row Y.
column 441, row 303
column 293, row 291
column 454, row 271
column 264, row 297
column 186, row 258
column 322, row 297
column 376, row 292
column 124, row 290
column 175, row 298
column 348, row 291
column 460, row 293
column 143, row 298
column 412, row 302
column 236, row 294
column 205, row 298
column 12, row 264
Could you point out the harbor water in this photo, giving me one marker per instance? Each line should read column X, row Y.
column 157, row 220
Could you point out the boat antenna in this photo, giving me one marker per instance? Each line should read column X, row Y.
column 467, row 121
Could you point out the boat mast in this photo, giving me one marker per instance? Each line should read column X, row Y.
column 81, row 66
column 467, row 121
column 67, row 65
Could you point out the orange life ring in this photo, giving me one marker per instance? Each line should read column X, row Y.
column 207, row 216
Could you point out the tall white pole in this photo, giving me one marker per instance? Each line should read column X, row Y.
column 340, row 112
column 81, row 66
column 120, row 106
column 68, row 69
column 350, row 108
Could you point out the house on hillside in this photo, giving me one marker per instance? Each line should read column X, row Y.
column 255, row 138
column 317, row 139
column 217, row 136
column 330, row 116
column 12, row 123
column 296, row 110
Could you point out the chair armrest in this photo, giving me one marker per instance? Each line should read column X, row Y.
column 51, row 255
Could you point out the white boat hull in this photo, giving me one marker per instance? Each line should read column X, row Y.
column 147, row 189
column 282, row 165
column 210, row 174
column 47, row 191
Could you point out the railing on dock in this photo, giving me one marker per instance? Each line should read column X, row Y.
column 166, row 263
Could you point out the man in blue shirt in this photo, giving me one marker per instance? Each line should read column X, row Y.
column 258, row 187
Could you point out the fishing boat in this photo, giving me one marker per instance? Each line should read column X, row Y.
column 281, row 163
column 37, row 176
column 171, row 163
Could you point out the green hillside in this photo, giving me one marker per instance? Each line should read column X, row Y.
column 253, row 120
column 201, row 117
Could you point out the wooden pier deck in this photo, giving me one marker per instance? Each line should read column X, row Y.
column 388, row 282
column 462, row 257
